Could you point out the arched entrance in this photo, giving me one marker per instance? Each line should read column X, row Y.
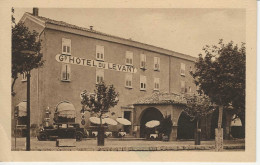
column 148, row 115
column 186, row 127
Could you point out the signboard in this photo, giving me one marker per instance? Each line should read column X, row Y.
column 94, row 63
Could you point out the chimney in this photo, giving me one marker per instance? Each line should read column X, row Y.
column 35, row 11
column 91, row 27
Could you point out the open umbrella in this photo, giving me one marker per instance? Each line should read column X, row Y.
column 96, row 120
column 110, row 121
column 152, row 123
column 123, row 121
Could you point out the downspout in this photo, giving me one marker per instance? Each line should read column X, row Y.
column 170, row 74
column 38, row 94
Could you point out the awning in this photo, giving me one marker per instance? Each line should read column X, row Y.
column 236, row 122
column 22, row 108
column 123, row 121
column 65, row 109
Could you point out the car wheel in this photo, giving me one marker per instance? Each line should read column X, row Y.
column 79, row 136
column 42, row 137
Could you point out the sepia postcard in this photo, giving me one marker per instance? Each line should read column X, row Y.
column 151, row 81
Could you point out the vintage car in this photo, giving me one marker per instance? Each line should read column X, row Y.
column 62, row 131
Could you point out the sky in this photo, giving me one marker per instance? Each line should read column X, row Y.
column 185, row 30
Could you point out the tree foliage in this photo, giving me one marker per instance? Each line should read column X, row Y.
column 166, row 125
column 220, row 74
column 26, row 51
column 99, row 102
column 198, row 107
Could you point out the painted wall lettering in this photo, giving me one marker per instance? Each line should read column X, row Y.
column 94, row 63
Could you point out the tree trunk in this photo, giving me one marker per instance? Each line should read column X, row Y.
column 12, row 87
column 220, row 115
column 219, row 131
column 197, row 133
column 100, row 139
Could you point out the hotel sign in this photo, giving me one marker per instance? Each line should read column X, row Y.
column 94, row 63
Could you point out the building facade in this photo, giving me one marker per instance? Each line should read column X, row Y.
column 76, row 59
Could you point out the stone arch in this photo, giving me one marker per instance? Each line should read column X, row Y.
column 148, row 114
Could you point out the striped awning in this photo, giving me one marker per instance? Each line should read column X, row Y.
column 65, row 109
column 22, row 108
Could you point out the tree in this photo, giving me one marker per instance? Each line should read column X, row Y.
column 99, row 103
column 166, row 126
column 196, row 108
column 220, row 74
column 26, row 54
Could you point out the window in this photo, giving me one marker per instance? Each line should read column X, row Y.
column 66, row 46
column 129, row 58
column 65, row 72
column 156, row 84
column 143, row 61
column 100, row 53
column 99, row 76
column 128, row 80
column 189, row 89
column 142, row 82
column 182, row 69
column 24, row 76
column 156, row 63
column 182, row 86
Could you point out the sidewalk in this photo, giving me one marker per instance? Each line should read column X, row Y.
column 129, row 145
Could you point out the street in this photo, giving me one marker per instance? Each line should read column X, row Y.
column 112, row 144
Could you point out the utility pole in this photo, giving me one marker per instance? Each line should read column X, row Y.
column 28, row 144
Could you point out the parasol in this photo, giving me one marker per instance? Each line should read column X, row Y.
column 110, row 121
column 152, row 123
column 96, row 120
column 123, row 121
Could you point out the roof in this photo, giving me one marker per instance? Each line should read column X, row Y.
column 67, row 25
column 162, row 98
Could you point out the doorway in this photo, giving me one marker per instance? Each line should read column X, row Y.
column 127, row 115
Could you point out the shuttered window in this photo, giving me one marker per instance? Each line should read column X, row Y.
column 128, row 80
column 156, row 84
column 182, row 69
column 100, row 55
column 156, row 63
column 99, row 76
column 66, row 46
column 143, row 61
column 65, row 72
column 142, row 82
column 129, row 58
